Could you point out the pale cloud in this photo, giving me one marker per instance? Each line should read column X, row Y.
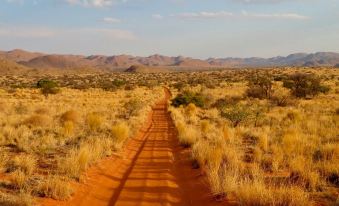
column 243, row 14
column 20, row 32
column 203, row 15
column 108, row 33
column 157, row 16
column 292, row 16
column 111, row 20
column 38, row 33
column 263, row 1
column 16, row 1
column 94, row 3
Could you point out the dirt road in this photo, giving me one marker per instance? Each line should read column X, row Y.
column 153, row 170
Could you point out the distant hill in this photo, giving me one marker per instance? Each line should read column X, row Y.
column 144, row 69
column 18, row 55
column 58, row 62
column 8, row 67
column 122, row 62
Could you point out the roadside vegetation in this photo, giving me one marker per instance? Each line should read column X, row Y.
column 51, row 133
column 263, row 137
column 257, row 136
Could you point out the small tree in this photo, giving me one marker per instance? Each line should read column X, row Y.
column 236, row 114
column 48, row 87
column 260, row 86
column 305, row 85
column 132, row 107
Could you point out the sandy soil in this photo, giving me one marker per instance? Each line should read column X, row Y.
column 153, row 170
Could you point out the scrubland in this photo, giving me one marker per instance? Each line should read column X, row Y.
column 48, row 141
column 257, row 136
column 258, row 142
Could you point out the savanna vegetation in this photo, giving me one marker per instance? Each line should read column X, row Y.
column 52, row 130
column 258, row 136
column 263, row 137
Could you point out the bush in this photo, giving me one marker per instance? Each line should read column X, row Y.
column 260, row 86
column 48, row 87
column 227, row 101
column 118, row 83
column 236, row 114
column 188, row 97
column 132, row 107
column 282, row 100
column 305, row 85
column 179, row 85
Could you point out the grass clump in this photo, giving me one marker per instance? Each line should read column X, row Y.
column 71, row 115
column 187, row 134
column 54, row 187
column 37, row 120
column 19, row 179
column 120, row 132
column 21, row 199
column 24, row 163
column 94, row 121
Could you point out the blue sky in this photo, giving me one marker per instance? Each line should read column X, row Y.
column 195, row 28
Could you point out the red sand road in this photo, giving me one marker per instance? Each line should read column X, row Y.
column 153, row 170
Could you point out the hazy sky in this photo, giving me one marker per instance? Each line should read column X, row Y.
column 196, row 28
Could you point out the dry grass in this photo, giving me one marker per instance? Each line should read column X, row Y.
column 120, row 132
column 47, row 142
column 258, row 193
column 24, row 163
column 54, row 187
column 187, row 135
column 94, row 121
column 20, row 199
column 37, row 120
column 70, row 116
column 286, row 153
column 19, row 179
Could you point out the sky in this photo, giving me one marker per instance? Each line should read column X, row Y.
column 194, row 28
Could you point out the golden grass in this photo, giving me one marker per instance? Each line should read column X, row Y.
column 54, row 187
column 94, row 121
column 24, row 163
column 19, row 179
column 20, row 199
column 285, row 153
column 70, row 116
column 187, row 135
column 120, row 132
column 47, row 142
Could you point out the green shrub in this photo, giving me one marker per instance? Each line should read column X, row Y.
column 118, row 83
column 188, row 97
column 236, row 114
column 48, row 87
column 305, row 85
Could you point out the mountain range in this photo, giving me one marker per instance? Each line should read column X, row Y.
column 21, row 59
